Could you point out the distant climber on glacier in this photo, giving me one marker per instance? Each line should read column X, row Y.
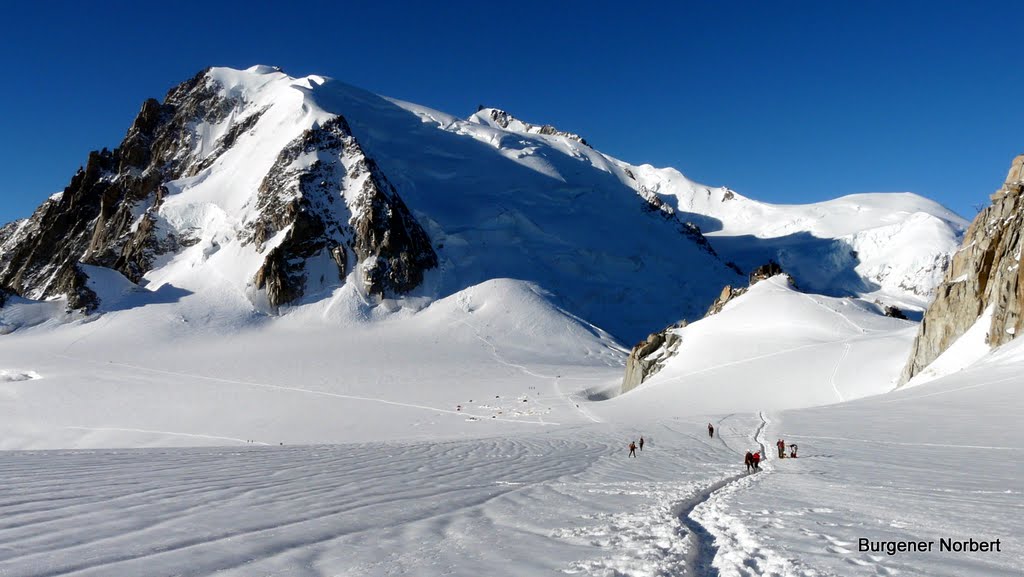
column 782, row 448
column 711, row 430
column 641, row 444
column 757, row 461
column 748, row 460
column 632, row 449
column 792, row 451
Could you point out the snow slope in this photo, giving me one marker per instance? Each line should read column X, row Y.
column 537, row 503
column 799, row 349
column 412, row 482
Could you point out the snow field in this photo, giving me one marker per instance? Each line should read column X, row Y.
column 567, row 499
column 166, row 375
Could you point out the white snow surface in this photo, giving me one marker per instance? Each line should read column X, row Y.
column 965, row 351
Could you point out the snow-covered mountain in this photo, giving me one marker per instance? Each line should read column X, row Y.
column 257, row 190
column 802, row 349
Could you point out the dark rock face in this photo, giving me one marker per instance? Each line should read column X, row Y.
column 894, row 312
column 765, row 271
column 655, row 205
column 375, row 226
column 985, row 272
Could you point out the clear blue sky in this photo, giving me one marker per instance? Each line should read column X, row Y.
column 781, row 101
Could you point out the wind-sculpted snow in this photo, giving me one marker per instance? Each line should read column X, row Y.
column 486, row 506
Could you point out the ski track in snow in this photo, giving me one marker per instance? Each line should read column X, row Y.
column 913, row 397
column 835, row 312
column 832, row 377
column 883, row 442
column 747, row 360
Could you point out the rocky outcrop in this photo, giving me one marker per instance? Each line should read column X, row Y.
column 986, row 271
column 766, row 271
column 508, row 122
column 341, row 207
column 654, row 204
column 728, row 293
column 649, row 356
column 894, row 312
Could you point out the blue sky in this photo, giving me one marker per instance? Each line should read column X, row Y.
column 781, row 101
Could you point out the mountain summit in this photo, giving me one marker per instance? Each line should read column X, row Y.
column 280, row 191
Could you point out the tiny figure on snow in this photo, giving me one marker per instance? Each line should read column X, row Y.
column 632, row 449
column 757, row 461
column 782, row 448
column 792, row 451
column 748, row 460
column 641, row 443
column 711, row 430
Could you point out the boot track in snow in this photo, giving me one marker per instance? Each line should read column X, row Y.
column 701, row 556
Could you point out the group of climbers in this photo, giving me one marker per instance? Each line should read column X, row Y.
column 752, row 459
column 632, row 447
column 782, row 449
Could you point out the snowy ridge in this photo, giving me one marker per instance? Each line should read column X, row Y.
column 892, row 246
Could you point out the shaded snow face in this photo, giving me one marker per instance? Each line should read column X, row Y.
column 893, row 247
